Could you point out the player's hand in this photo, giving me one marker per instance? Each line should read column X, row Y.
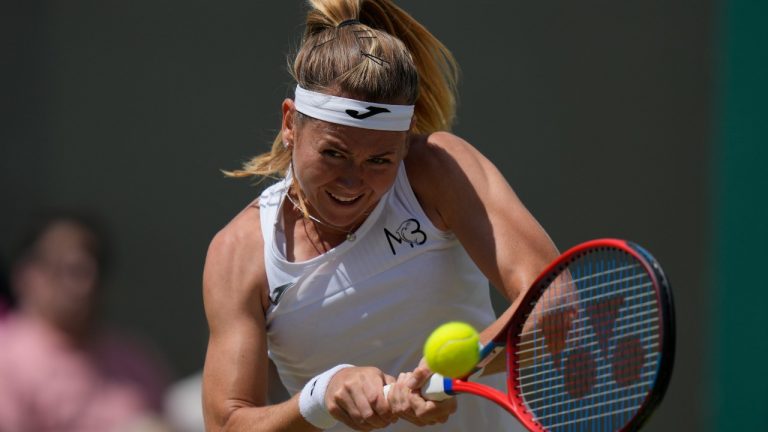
column 354, row 397
column 407, row 403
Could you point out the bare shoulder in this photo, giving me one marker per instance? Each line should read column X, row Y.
column 440, row 143
column 441, row 165
column 242, row 232
column 234, row 265
column 440, row 154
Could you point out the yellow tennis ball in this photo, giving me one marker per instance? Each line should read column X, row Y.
column 452, row 350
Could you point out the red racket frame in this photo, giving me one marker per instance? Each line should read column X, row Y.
column 509, row 335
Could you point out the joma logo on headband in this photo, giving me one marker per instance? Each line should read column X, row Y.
column 372, row 111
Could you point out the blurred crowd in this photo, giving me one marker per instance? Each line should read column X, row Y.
column 61, row 369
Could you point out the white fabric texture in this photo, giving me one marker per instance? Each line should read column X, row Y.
column 351, row 112
column 373, row 301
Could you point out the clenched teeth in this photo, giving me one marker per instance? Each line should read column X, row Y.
column 344, row 199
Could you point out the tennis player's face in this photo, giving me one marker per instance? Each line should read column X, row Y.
column 343, row 170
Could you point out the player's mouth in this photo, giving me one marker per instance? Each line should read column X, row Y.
column 344, row 200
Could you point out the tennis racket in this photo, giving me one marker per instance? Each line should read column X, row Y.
column 590, row 345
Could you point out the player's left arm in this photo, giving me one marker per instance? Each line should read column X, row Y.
column 465, row 193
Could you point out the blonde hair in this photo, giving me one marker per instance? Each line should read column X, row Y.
column 383, row 56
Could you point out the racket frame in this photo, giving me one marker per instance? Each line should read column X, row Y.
column 509, row 336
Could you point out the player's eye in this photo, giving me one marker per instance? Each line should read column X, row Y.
column 332, row 154
column 379, row 161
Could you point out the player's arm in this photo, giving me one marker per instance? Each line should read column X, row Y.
column 466, row 194
column 235, row 374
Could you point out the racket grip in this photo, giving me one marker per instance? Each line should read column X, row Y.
column 434, row 390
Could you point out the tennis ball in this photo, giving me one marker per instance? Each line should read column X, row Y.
column 452, row 350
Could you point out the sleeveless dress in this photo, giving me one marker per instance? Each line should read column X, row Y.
column 374, row 300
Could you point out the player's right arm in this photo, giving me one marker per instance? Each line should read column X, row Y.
column 235, row 373
column 235, row 294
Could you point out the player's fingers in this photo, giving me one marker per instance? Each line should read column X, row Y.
column 400, row 400
column 363, row 399
column 422, row 412
column 376, row 399
column 413, row 407
column 419, row 377
column 339, row 400
column 335, row 408
column 379, row 400
column 364, row 417
column 383, row 410
column 365, row 410
column 398, row 396
column 355, row 397
column 436, row 412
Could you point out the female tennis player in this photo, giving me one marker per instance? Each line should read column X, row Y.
column 381, row 226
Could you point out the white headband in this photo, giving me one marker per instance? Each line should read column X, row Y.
column 351, row 112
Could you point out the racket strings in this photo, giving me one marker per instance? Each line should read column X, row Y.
column 556, row 385
column 537, row 359
column 565, row 306
column 590, row 348
column 611, row 425
column 597, row 393
column 551, row 383
column 563, row 286
column 643, row 310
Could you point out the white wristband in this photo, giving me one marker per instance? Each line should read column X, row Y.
column 312, row 399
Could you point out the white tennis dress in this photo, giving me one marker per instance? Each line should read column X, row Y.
column 373, row 301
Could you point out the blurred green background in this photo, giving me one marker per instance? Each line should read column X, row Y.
column 638, row 119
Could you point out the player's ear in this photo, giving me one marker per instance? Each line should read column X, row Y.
column 289, row 122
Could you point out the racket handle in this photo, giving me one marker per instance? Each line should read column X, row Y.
column 434, row 390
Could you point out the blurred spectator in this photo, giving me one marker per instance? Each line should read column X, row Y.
column 59, row 371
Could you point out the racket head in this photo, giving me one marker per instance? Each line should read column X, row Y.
column 591, row 346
